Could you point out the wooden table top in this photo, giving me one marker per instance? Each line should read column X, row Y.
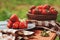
column 39, row 37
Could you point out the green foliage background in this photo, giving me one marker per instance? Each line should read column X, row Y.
column 21, row 7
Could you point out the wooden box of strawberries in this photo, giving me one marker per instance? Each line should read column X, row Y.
column 45, row 12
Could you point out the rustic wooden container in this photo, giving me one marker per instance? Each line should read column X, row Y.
column 42, row 17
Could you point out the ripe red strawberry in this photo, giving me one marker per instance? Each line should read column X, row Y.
column 15, row 25
column 51, row 8
column 40, row 7
column 9, row 21
column 44, row 11
column 53, row 11
column 46, row 6
column 14, row 18
column 9, row 25
column 33, row 11
column 32, row 7
column 22, row 25
column 40, row 10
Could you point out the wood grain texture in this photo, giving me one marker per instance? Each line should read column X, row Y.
column 39, row 37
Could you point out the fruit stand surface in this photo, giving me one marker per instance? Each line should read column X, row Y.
column 39, row 37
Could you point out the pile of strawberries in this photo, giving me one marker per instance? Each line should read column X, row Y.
column 42, row 9
column 15, row 23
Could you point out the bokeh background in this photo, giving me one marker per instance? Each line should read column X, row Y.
column 21, row 7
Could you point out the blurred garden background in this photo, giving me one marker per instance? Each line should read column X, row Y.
column 21, row 7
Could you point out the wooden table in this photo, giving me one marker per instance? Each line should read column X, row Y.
column 39, row 37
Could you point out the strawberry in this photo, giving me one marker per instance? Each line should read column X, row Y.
column 9, row 21
column 44, row 11
column 33, row 7
column 9, row 25
column 15, row 25
column 33, row 11
column 37, row 12
column 53, row 11
column 51, row 8
column 40, row 7
column 22, row 25
column 46, row 6
column 14, row 18
column 40, row 10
